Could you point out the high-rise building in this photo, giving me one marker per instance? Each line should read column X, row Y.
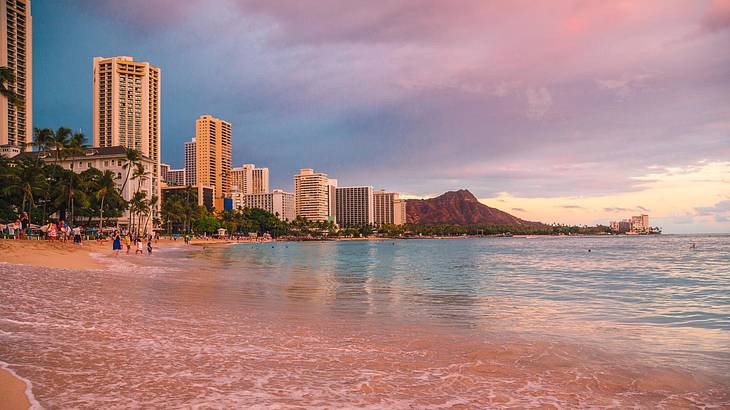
column 16, row 53
column 278, row 202
column 248, row 179
column 312, row 198
column 389, row 208
column 355, row 206
column 640, row 223
column 190, row 174
column 332, row 200
column 213, row 156
column 127, row 108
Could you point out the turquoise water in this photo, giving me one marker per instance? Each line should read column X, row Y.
column 634, row 288
column 431, row 323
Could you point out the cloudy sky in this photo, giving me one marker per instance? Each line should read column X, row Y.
column 558, row 111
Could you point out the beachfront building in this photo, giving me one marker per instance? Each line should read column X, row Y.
column 198, row 195
column 640, row 223
column 190, row 174
column 213, row 156
column 111, row 159
column 247, row 179
column 9, row 151
column 16, row 53
column 127, row 109
column 280, row 203
column 312, row 195
column 389, row 208
column 355, row 206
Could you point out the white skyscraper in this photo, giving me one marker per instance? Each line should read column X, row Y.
column 248, row 179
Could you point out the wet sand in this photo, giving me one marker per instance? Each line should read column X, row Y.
column 12, row 392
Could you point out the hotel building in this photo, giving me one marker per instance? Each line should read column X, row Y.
column 312, row 195
column 248, row 179
column 190, row 174
column 213, row 156
column 127, row 108
column 16, row 53
column 278, row 202
column 389, row 208
column 108, row 159
column 355, row 206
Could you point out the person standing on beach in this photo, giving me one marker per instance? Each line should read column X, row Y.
column 52, row 232
column 24, row 223
column 61, row 231
column 116, row 243
column 140, row 247
column 149, row 245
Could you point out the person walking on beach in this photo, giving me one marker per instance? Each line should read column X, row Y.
column 128, row 241
column 77, row 235
column 62, row 231
column 116, row 243
column 24, row 223
column 16, row 229
column 140, row 247
column 149, row 245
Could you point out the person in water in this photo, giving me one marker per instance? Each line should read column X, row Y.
column 116, row 243
column 149, row 245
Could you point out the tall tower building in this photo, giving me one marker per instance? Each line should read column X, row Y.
column 127, row 108
column 213, row 156
column 190, row 175
column 16, row 53
column 389, row 208
column 311, row 194
column 355, row 206
column 248, row 179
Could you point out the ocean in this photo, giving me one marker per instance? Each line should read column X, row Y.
column 610, row 322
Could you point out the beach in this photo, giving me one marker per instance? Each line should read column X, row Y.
column 469, row 323
column 12, row 392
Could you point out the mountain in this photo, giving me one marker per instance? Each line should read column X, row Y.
column 458, row 208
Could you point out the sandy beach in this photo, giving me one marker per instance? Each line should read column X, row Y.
column 51, row 254
column 12, row 392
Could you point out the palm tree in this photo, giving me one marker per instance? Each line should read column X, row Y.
column 7, row 82
column 42, row 138
column 27, row 180
column 105, row 186
column 133, row 157
column 60, row 141
column 76, row 144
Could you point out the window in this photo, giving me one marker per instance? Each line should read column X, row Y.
column 106, row 163
column 119, row 175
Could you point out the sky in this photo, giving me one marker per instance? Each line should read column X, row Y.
column 574, row 112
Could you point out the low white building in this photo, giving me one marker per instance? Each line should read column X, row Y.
column 112, row 159
column 9, row 151
column 278, row 202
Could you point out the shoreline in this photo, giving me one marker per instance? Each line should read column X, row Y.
column 15, row 393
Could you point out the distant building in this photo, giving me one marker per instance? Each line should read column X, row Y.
column 389, row 208
column 199, row 195
column 640, row 223
column 126, row 108
column 213, row 156
column 278, row 202
column 312, row 195
column 637, row 224
column 248, row 179
column 355, row 206
column 175, row 177
column 190, row 174
column 9, row 151
column 16, row 53
column 111, row 159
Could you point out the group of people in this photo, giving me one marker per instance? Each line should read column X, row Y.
column 62, row 232
column 127, row 239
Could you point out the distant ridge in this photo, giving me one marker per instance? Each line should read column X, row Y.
column 458, row 208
